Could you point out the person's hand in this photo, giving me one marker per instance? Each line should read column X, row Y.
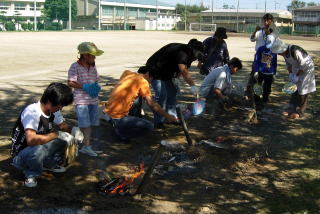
column 171, row 118
column 293, row 78
column 258, row 28
column 194, row 89
column 78, row 135
column 65, row 136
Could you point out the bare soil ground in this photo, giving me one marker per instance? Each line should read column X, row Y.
column 273, row 168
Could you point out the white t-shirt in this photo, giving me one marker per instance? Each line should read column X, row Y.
column 31, row 116
column 218, row 78
column 262, row 39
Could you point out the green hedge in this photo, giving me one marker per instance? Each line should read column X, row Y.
column 54, row 26
column 10, row 26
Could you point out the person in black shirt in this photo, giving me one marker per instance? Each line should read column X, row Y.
column 167, row 64
column 35, row 147
column 215, row 50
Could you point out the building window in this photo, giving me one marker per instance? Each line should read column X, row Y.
column 142, row 12
column 31, row 7
column 132, row 12
column 4, row 5
column 20, row 6
column 107, row 11
column 119, row 11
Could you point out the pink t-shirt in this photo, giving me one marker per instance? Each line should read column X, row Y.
column 80, row 74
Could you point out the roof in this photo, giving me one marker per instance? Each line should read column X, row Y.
column 277, row 13
column 312, row 8
column 143, row 2
column 243, row 11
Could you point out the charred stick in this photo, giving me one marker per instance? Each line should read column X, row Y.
column 154, row 162
column 184, row 126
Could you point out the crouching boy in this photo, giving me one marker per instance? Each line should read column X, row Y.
column 35, row 147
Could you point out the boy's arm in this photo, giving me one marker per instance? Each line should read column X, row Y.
column 74, row 84
column 34, row 139
column 157, row 108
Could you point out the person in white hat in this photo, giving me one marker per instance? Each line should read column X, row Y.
column 83, row 78
column 301, row 72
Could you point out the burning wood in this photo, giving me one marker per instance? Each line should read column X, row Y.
column 119, row 186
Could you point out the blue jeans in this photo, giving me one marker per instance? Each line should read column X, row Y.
column 166, row 96
column 32, row 159
column 131, row 127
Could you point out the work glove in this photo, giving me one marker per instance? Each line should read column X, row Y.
column 95, row 89
column 293, row 78
column 65, row 136
column 194, row 89
column 77, row 134
column 92, row 89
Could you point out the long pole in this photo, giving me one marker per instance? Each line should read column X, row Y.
column 99, row 16
column 35, row 15
column 265, row 6
column 157, row 14
column 185, row 15
column 238, row 17
column 124, row 15
column 212, row 12
column 69, row 14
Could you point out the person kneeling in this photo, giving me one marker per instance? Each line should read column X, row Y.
column 35, row 147
column 218, row 84
column 130, row 88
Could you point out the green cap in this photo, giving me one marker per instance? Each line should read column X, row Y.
column 89, row 48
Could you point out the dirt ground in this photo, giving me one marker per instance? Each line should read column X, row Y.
column 273, row 166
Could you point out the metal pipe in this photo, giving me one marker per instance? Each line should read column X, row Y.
column 69, row 14
column 185, row 15
column 238, row 17
column 99, row 15
column 157, row 14
column 124, row 15
column 35, row 15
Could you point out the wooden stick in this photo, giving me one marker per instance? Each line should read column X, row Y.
column 154, row 162
column 184, row 126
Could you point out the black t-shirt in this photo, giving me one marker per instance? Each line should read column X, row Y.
column 163, row 64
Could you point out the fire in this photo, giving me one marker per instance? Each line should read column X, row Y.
column 128, row 180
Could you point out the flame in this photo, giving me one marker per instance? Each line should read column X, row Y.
column 128, row 180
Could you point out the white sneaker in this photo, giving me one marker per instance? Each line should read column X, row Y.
column 57, row 168
column 30, row 182
column 88, row 151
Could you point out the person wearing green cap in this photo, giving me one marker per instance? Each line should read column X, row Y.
column 83, row 78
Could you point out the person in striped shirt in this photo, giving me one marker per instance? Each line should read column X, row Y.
column 83, row 78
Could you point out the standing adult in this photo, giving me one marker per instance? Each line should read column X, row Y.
column 215, row 51
column 167, row 64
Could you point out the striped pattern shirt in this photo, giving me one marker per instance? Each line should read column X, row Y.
column 80, row 74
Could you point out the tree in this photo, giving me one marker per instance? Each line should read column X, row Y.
column 295, row 4
column 189, row 8
column 59, row 9
column 225, row 6
column 310, row 4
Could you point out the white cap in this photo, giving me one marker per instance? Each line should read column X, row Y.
column 279, row 46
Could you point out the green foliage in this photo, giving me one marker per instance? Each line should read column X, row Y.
column 10, row 26
column 59, row 9
column 56, row 26
column 310, row 4
column 295, row 4
column 190, row 8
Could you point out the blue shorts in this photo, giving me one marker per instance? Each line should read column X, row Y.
column 88, row 115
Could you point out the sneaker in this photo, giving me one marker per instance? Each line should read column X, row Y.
column 57, row 168
column 88, row 151
column 30, row 182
